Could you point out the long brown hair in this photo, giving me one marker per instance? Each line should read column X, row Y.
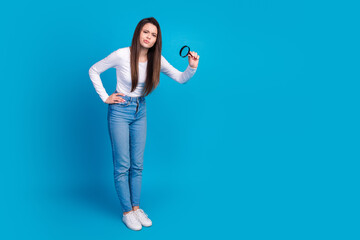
column 153, row 56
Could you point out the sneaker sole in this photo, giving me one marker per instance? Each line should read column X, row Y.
column 146, row 225
column 132, row 228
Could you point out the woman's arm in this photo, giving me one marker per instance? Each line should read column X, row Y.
column 110, row 61
column 170, row 71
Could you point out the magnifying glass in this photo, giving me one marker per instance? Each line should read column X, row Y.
column 184, row 51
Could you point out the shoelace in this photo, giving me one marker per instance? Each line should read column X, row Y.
column 143, row 212
column 132, row 217
column 140, row 210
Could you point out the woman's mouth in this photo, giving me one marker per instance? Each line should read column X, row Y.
column 146, row 41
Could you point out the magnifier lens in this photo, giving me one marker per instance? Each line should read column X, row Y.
column 184, row 51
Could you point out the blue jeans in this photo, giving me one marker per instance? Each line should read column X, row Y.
column 127, row 130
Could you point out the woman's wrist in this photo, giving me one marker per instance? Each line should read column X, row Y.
column 192, row 67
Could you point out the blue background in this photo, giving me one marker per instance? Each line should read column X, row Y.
column 262, row 143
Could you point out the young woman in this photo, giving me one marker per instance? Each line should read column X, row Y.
column 138, row 70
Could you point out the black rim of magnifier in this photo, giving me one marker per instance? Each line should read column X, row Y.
column 182, row 49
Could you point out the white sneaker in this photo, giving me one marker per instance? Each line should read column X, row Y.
column 131, row 221
column 143, row 218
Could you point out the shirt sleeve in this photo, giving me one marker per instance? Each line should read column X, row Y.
column 111, row 61
column 170, row 71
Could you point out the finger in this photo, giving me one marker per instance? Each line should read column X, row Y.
column 121, row 94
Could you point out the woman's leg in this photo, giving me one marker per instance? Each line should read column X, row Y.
column 137, row 148
column 119, row 135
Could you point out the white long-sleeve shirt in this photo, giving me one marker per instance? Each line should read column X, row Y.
column 120, row 59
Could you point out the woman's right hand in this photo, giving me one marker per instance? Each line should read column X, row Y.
column 113, row 98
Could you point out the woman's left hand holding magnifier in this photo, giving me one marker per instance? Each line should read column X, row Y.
column 193, row 59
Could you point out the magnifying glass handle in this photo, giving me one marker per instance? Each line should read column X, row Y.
column 190, row 54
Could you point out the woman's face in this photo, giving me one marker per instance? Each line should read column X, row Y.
column 148, row 35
